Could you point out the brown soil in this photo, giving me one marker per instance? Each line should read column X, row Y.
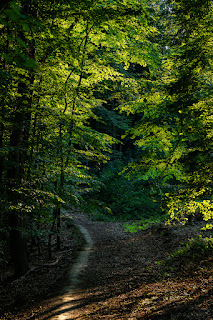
column 125, row 279
column 45, row 275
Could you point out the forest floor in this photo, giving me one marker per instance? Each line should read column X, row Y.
column 128, row 276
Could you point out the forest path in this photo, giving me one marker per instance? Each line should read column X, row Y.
column 116, row 277
column 93, row 270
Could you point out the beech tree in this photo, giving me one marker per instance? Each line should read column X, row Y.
column 176, row 126
column 67, row 70
column 56, row 59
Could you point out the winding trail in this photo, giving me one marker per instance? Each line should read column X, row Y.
column 68, row 294
column 116, row 277
column 91, row 271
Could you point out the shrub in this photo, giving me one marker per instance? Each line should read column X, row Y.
column 121, row 198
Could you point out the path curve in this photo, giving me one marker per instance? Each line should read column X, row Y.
column 68, row 293
column 116, row 277
column 87, row 274
column 81, row 261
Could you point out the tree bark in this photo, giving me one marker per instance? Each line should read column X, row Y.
column 18, row 248
column 18, row 157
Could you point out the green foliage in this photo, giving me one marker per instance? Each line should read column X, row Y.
column 185, row 207
column 123, row 198
column 195, row 248
column 75, row 78
column 176, row 124
column 145, row 223
column 190, row 252
column 58, row 65
column 98, row 210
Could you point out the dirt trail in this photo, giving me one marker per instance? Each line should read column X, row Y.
column 116, row 277
column 91, row 272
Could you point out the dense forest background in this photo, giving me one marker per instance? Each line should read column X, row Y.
column 105, row 106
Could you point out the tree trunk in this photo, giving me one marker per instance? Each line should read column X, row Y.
column 17, row 244
column 58, row 228
column 18, row 158
column 1, row 157
column 50, row 237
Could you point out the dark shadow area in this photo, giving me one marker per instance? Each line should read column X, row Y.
column 126, row 267
column 55, row 310
column 191, row 310
column 178, row 310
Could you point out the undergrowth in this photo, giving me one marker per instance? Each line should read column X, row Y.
column 193, row 250
column 120, row 198
column 145, row 223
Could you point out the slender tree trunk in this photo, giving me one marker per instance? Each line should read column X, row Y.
column 18, row 158
column 58, row 228
column 15, row 174
column 1, row 157
column 4, row 88
column 17, row 246
column 50, row 236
